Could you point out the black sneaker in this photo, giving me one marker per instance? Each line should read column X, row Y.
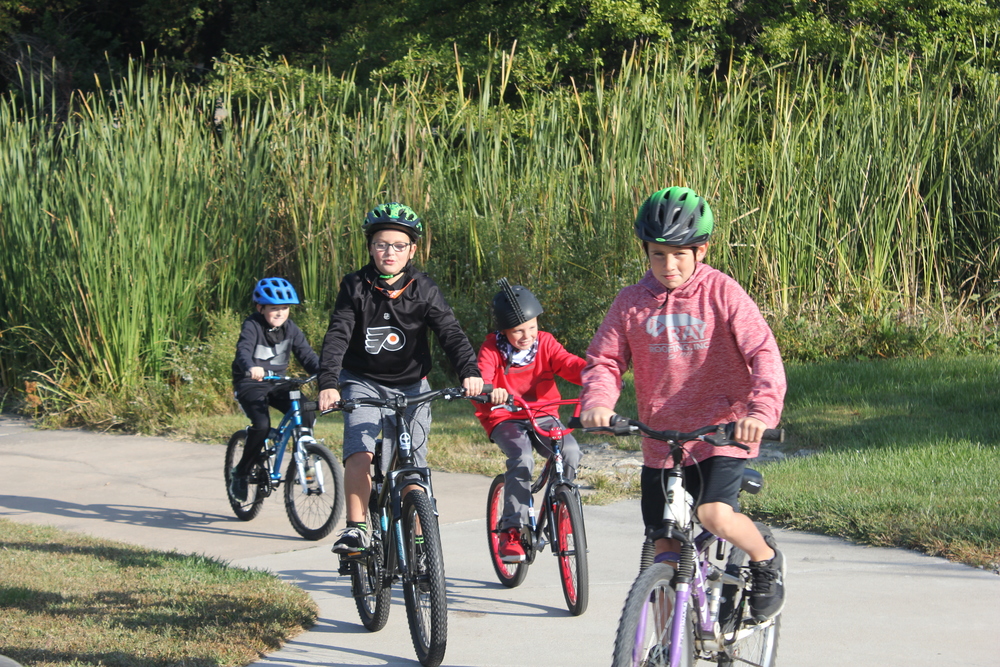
column 767, row 597
column 238, row 486
column 352, row 541
column 420, row 573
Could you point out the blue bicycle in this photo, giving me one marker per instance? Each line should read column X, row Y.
column 314, row 479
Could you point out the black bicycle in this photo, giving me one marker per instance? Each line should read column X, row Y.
column 405, row 542
column 561, row 521
column 314, row 479
column 697, row 607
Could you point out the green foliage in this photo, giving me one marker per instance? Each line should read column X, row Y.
column 863, row 196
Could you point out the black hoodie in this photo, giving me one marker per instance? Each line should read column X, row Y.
column 386, row 339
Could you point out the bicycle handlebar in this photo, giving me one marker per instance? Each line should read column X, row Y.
column 719, row 435
column 286, row 378
column 401, row 401
column 515, row 403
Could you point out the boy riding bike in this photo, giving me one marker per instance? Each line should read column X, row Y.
column 520, row 359
column 266, row 338
column 378, row 343
column 701, row 353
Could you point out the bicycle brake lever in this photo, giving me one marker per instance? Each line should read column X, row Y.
column 720, row 441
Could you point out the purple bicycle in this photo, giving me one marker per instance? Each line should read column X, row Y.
column 699, row 607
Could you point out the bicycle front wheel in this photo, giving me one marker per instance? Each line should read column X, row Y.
column 571, row 549
column 509, row 574
column 423, row 586
column 245, row 510
column 647, row 619
column 314, row 501
column 746, row 640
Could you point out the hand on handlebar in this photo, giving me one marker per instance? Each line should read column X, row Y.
column 749, row 430
column 328, row 398
column 256, row 373
column 599, row 416
column 473, row 386
column 499, row 396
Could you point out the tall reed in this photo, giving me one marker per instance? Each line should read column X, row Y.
column 869, row 187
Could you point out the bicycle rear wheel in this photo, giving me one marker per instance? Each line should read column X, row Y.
column 245, row 510
column 746, row 641
column 423, row 587
column 571, row 549
column 313, row 508
column 370, row 585
column 509, row 574
column 370, row 582
column 644, row 630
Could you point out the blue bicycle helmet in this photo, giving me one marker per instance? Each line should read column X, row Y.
column 274, row 292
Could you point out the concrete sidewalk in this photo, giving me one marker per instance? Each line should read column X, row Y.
column 847, row 605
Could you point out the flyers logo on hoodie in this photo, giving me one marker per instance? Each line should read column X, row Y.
column 383, row 338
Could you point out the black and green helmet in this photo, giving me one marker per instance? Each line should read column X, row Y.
column 675, row 216
column 393, row 216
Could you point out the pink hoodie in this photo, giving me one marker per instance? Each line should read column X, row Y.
column 701, row 354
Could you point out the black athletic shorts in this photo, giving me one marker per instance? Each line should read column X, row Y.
column 714, row 480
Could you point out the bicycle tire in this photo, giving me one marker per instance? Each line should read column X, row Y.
column 643, row 635
column 510, row 575
column 745, row 639
column 424, row 587
column 571, row 549
column 370, row 585
column 314, row 512
column 245, row 510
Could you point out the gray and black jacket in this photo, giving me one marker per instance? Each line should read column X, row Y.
column 271, row 349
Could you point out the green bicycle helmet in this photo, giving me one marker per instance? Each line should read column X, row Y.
column 675, row 216
column 514, row 305
column 393, row 216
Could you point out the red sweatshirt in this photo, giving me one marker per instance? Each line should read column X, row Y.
column 534, row 382
column 701, row 354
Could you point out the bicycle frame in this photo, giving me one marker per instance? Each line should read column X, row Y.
column 279, row 438
column 388, row 486
column 697, row 581
column 552, row 473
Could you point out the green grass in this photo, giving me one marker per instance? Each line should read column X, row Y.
column 907, row 453
column 67, row 599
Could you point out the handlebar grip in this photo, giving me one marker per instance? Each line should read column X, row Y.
column 309, row 406
column 574, row 422
column 774, row 435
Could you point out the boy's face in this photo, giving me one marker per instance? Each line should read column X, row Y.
column 523, row 335
column 275, row 315
column 389, row 262
column 673, row 265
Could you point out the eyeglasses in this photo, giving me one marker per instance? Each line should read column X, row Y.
column 384, row 247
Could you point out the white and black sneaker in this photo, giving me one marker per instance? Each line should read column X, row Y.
column 767, row 597
column 352, row 541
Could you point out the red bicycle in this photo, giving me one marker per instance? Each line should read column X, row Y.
column 561, row 520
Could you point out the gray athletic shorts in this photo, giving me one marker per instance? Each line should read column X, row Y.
column 363, row 425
